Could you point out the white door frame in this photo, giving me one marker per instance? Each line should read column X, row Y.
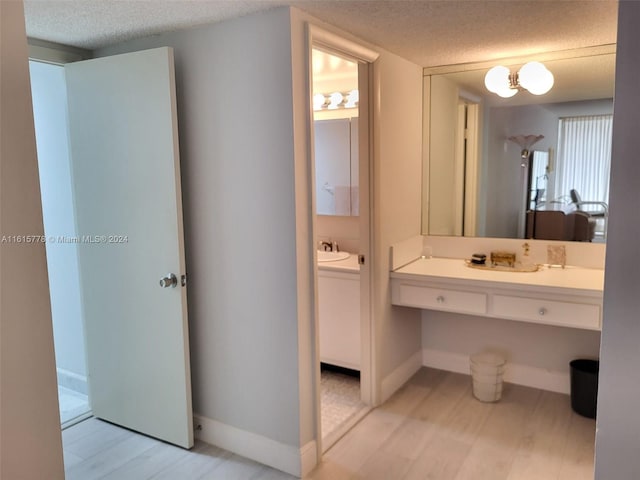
column 318, row 37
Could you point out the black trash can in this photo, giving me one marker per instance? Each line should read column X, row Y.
column 584, row 386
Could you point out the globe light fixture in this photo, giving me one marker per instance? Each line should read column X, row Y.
column 498, row 81
column 533, row 77
column 319, row 101
column 336, row 100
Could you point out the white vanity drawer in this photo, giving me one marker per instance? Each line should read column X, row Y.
column 440, row 299
column 580, row 315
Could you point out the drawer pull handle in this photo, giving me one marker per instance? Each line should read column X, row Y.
column 440, row 299
column 542, row 311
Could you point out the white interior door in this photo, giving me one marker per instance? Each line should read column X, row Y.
column 126, row 175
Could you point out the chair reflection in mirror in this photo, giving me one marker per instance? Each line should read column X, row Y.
column 594, row 209
column 558, row 221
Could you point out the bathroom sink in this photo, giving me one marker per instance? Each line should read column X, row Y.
column 331, row 256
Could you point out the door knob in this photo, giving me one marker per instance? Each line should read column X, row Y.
column 169, row 280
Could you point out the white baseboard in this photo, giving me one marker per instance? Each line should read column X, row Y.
column 287, row 458
column 72, row 381
column 519, row 374
column 400, row 375
column 308, row 457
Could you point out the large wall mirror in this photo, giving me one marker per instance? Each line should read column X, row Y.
column 482, row 178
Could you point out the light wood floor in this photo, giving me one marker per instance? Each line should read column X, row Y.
column 432, row 428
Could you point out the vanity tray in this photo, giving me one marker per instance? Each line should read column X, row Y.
column 518, row 267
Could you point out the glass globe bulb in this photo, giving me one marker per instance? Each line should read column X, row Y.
column 352, row 99
column 497, row 79
column 536, row 78
column 335, row 100
column 318, row 101
column 506, row 92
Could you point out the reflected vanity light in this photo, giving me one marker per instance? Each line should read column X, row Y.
column 352, row 99
column 532, row 76
column 336, row 100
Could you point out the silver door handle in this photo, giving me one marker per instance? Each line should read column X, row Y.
column 169, row 280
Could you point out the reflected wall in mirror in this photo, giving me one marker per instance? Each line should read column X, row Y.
column 477, row 182
column 335, row 87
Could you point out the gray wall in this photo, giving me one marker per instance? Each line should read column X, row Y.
column 234, row 94
column 618, row 432
column 30, row 437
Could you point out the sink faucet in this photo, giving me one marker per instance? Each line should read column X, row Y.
column 326, row 246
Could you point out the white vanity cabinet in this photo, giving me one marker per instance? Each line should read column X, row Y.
column 570, row 297
column 339, row 315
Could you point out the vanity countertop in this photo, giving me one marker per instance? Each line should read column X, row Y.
column 349, row 264
column 570, row 280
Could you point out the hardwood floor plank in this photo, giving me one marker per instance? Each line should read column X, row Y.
column 328, row 469
column 441, row 460
column 201, row 460
column 493, row 451
column 235, row 467
column 108, row 459
column 540, row 451
column 406, row 442
column 428, row 417
column 84, row 428
column 149, row 463
column 71, row 459
column 446, row 450
column 384, row 465
column 273, row 474
column 578, row 458
column 103, row 436
column 355, row 448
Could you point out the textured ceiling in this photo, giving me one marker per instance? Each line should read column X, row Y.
column 426, row 32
